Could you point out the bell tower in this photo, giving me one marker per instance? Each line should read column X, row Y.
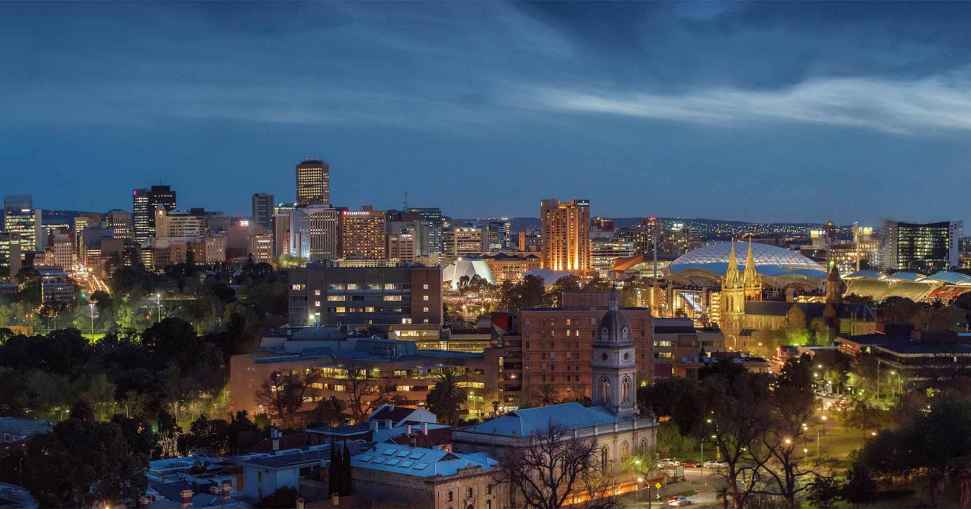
column 614, row 363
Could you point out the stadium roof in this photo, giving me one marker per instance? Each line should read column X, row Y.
column 770, row 261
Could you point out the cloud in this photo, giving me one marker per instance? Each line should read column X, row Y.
column 941, row 103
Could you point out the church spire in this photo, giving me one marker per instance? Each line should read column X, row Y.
column 731, row 272
column 751, row 276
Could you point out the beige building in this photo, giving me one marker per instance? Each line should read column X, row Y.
column 363, row 234
column 511, row 268
column 313, row 183
column 566, row 235
column 406, row 477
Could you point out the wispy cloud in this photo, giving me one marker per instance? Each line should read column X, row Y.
column 941, row 103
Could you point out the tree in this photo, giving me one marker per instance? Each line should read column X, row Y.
column 825, row 491
column 780, row 451
column 553, row 467
column 860, row 487
column 446, row 398
column 283, row 395
column 330, row 411
column 360, row 387
column 82, row 462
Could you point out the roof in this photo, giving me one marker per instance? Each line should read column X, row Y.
column 291, row 459
column 810, row 309
column 395, row 413
column 530, row 421
column 435, row 437
column 673, row 329
column 769, row 260
column 419, row 461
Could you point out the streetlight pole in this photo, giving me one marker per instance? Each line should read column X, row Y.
column 91, row 308
column 158, row 302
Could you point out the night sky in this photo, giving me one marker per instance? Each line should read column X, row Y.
column 768, row 111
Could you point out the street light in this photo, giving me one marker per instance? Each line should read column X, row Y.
column 158, row 302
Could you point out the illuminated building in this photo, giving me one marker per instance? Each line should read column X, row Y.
column 313, row 183
column 215, row 249
column 24, row 226
column 430, row 230
column 604, row 253
column 56, row 289
column 464, row 241
column 261, row 247
column 315, row 233
column 923, row 248
column 965, row 252
column 566, row 235
column 173, row 224
column 363, row 235
column 512, row 268
column 9, row 254
column 62, row 250
column 144, row 204
column 402, row 245
column 558, row 344
column 364, row 296
column 282, row 217
column 497, row 235
column 262, row 211
column 119, row 222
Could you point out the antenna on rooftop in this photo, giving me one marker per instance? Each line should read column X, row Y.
column 406, row 201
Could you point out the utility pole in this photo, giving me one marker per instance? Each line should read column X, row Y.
column 91, row 308
column 158, row 303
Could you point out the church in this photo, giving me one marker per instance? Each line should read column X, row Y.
column 612, row 421
column 750, row 323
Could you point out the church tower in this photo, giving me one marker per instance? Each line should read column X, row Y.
column 834, row 285
column 614, row 363
column 751, row 281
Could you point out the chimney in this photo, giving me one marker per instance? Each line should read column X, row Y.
column 408, row 430
column 275, row 437
column 185, row 497
column 424, row 428
column 374, row 425
column 227, row 490
column 389, row 423
column 299, row 503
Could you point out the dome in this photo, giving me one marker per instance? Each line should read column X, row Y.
column 453, row 272
column 614, row 327
column 772, row 261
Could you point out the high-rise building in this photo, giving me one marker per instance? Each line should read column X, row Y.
column 144, row 204
column 965, row 252
column 430, row 231
column 313, row 183
column 566, row 235
column 119, row 222
column 18, row 201
column 176, row 224
column 282, row 217
column 363, row 234
column 262, row 207
column 62, row 250
column 24, row 225
column 464, row 241
column 9, row 254
column 261, row 247
column 924, row 248
column 605, row 252
column 497, row 235
column 324, row 232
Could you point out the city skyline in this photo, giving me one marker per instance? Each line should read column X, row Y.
column 643, row 109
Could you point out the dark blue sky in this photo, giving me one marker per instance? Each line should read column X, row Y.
column 754, row 111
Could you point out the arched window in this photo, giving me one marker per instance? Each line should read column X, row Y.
column 626, row 390
column 605, row 390
column 604, row 459
column 644, row 445
column 624, row 450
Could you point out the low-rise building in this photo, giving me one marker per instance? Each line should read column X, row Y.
column 403, row 476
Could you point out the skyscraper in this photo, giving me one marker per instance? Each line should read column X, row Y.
column 430, row 230
column 119, row 222
column 313, row 183
column 262, row 211
column 24, row 227
column 363, row 234
column 144, row 204
column 924, row 248
column 566, row 235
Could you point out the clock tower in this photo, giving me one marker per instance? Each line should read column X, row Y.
column 614, row 363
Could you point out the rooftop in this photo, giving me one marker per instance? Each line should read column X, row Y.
column 530, row 421
column 420, row 461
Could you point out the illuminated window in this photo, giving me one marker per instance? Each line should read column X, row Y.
column 352, row 286
column 317, row 293
column 424, row 310
column 340, row 309
column 424, row 286
column 424, row 298
column 337, row 298
column 369, row 309
column 392, row 298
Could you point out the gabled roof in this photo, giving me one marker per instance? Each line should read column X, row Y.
column 530, row 421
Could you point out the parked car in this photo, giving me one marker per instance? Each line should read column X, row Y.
column 678, row 502
column 690, row 464
column 715, row 465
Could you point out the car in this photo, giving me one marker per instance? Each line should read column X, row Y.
column 678, row 501
column 691, row 464
column 668, row 463
column 715, row 465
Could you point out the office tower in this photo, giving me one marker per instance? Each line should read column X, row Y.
column 144, row 204
column 566, row 235
column 281, row 229
column 924, row 248
column 25, row 227
column 313, row 183
column 18, row 201
column 119, row 223
column 964, row 250
column 430, row 233
column 315, row 233
column 177, row 224
column 464, row 241
column 497, row 235
column 262, row 214
column 261, row 247
column 9, row 255
column 363, row 234
column 604, row 252
column 403, row 240
column 363, row 296
column 62, row 250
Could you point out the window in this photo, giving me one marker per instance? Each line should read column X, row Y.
column 424, row 309
column 337, row 298
column 340, row 309
column 317, row 303
column 369, row 309
column 389, row 286
column 317, row 293
column 297, row 287
column 451, row 496
column 392, row 298
column 424, row 298
column 424, row 286
column 352, row 286
column 468, row 492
